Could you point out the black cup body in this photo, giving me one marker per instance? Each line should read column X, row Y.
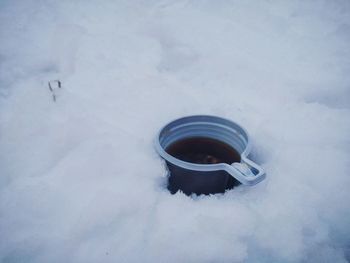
column 198, row 182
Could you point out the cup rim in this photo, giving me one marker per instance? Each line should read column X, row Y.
column 195, row 166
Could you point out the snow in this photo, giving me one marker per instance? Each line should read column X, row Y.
column 79, row 178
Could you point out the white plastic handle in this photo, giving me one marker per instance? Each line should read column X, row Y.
column 247, row 172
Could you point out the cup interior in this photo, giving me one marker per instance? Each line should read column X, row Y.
column 212, row 127
column 203, row 150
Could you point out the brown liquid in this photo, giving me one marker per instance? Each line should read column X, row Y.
column 203, row 150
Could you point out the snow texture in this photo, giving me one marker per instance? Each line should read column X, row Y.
column 79, row 178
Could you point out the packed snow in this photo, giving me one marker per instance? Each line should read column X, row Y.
column 80, row 180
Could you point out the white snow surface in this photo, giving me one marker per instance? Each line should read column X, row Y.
column 80, row 180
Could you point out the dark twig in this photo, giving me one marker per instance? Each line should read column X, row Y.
column 59, row 85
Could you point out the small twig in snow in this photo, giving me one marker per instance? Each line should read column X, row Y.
column 52, row 89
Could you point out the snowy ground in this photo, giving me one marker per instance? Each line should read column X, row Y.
column 79, row 178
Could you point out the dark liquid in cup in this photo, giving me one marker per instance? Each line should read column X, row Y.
column 202, row 150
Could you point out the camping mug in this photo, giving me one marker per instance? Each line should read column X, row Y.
column 207, row 178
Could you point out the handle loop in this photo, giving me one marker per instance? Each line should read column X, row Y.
column 247, row 172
